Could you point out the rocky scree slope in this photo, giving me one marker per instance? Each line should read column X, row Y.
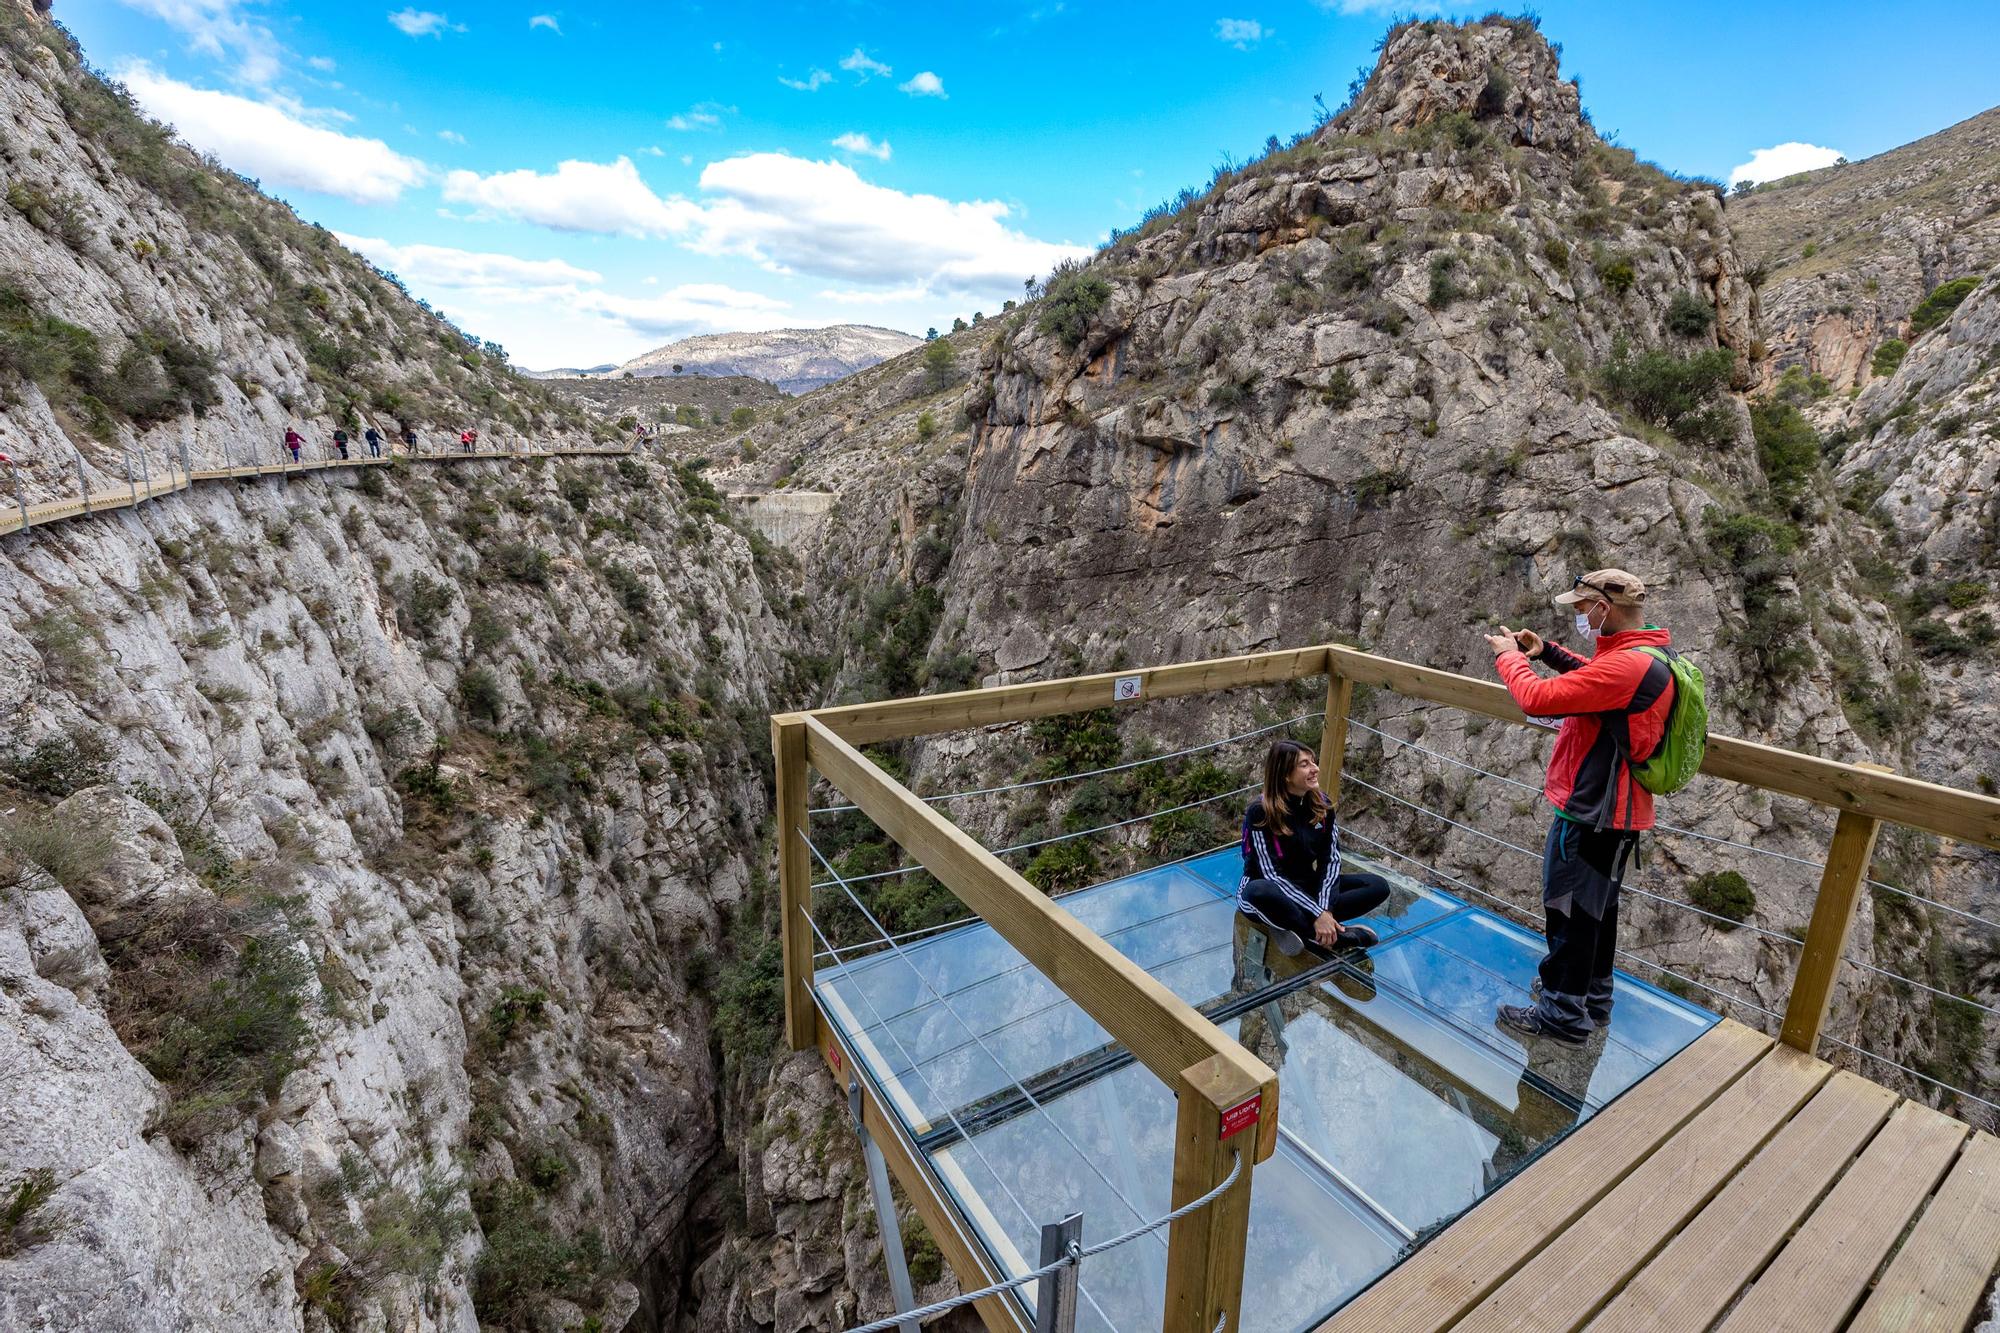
column 1847, row 253
column 1392, row 383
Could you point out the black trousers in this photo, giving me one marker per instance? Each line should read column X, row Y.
column 1273, row 902
column 1582, row 870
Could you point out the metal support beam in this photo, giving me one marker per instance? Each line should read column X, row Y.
column 81, row 483
column 886, row 1224
column 20, row 495
column 131, row 482
column 1055, row 1297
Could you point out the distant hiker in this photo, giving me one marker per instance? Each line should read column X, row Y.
column 1292, row 880
column 465, row 440
column 292, row 441
column 374, row 438
column 340, row 442
column 409, row 438
column 1614, row 709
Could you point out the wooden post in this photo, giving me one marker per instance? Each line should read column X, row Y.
column 788, row 747
column 1833, row 915
column 1333, row 739
column 1217, row 1119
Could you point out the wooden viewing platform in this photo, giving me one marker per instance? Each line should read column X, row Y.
column 1737, row 1182
column 14, row 519
column 1744, row 1182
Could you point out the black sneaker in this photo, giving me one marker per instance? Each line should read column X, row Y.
column 1528, row 1021
column 1357, row 937
column 1288, row 942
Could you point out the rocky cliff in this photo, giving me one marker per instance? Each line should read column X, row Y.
column 796, row 360
column 1847, row 254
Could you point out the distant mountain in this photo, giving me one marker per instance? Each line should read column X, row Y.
column 796, row 360
column 569, row 372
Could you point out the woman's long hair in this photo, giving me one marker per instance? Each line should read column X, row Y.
column 1279, row 761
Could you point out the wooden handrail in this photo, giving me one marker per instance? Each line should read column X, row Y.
column 1882, row 795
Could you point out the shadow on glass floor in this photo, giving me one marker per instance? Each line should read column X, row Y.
column 1401, row 1104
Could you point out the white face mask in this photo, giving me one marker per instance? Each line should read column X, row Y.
column 1584, row 629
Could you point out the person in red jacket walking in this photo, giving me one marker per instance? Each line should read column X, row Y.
column 1614, row 708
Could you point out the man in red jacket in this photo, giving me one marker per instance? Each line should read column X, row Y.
column 1614, row 708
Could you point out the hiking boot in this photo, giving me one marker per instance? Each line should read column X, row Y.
column 1529, row 1022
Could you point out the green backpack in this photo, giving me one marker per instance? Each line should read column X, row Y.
column 1677, row 758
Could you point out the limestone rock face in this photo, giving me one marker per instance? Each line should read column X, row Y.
column 1847, row 252
column 1497, row 70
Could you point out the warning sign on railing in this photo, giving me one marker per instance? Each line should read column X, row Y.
column 1242, row 1116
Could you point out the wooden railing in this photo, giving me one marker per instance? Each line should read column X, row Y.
column 1210, row 1073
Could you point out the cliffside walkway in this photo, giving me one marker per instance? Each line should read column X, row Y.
column 17, row 514
column 1050, row 1070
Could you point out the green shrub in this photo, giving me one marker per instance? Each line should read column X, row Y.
column 1349, row 272
column 579, row 491
column 634, row 473
column 1556, row 251
column 687, row 414
column 926, row 425
column 1688, row 315
column 1062, row 866
column 479, row 692
column 422, row 603
column 69, row 652
column 1936, row 308
column 69, row 852
column 743, row 416
column 1617, row 276
column 1757, row 551
column 1888, row 357
column 1671, row 391
column 1492, row 99
column 60, row 765
column 20, row 1201
column 1341, row 391
column 1725, row 893
column 1073, row 742
column 528, row 1261
column 631, row 589
column 1372, row 490
column 1788, row 449
column 1075, row 295
column 214, row 998
column 518, row 1007
column 521, row 563
column 1444, row 286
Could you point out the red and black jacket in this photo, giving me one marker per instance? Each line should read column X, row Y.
column 1614, row 709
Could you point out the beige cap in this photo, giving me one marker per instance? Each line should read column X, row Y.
column 1613, row 585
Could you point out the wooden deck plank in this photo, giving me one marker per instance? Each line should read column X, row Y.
column 1457, row 1268
column 1578, row 1271
column 1700, row 1271
column 1936, row 1279
column 1820, row 1274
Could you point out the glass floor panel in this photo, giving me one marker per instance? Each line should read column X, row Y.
column 1401, row 1103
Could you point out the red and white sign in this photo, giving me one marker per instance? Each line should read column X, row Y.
column 1242, row 1116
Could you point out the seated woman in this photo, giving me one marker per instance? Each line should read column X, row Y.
column 1292, row 881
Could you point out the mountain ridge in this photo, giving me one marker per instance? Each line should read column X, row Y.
column 796, row 360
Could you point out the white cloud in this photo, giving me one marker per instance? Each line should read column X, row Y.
column 217, row 28
column 545, row 21
column 701, row 116
column 811, row 83
column 795, row 215
column 1781, row 160
column 855, row 142
column 788, row 214
column 860, row 63
column 688, row 308
column 272, row 144
column 925, row 84
column 653, row 150
column 442, row 266
column 451, row 136
column 892, row 296
column 324, row 64
column 687, row 159
column 1240, row 33
column 1400, row 7
column 577, row 196
column 423, row 23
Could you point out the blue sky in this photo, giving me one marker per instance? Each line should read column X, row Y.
column 583, row 183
